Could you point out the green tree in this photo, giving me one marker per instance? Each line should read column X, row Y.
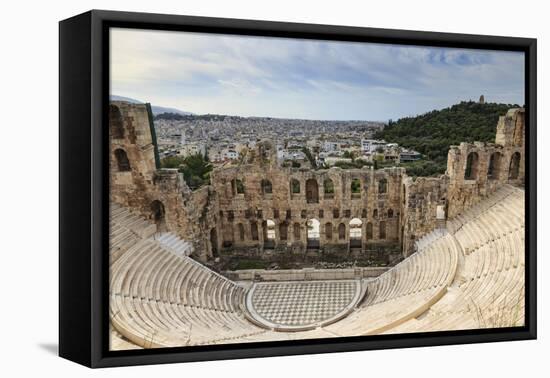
column 309, row 157
column 434, row 132
column 195, row 169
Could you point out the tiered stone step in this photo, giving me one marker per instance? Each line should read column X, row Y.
column 405, row 291
column 125, row 229
column 469, row 277
column 174, row 243
column 429, row 238
column 489, row 288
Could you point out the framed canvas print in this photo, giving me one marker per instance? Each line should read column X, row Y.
column 234, row 188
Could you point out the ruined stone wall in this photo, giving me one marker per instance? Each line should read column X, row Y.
column 297, row 196
column 476, row 170
column 160, row 195
column 421, row 199
column 130, row 138
column 255, row 199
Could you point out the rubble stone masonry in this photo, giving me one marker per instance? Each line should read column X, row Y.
column 257, row 207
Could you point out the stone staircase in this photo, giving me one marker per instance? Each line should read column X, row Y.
column 174, row 244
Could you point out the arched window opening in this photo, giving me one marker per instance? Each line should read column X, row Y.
column 355, row 188
column 328, row 188
column 382, row 230
column 513, row 173
column 493, row 172
column 228, row 234
column 296, row 231
column 115, row 120
column 241, row 232
column 123, row 164
column 355, row 232
column 472, row 162
column 375, row 213
column 312, row 191
column 237, row 187
column 328, row 231
column 294, row 186
column 254, row 230
column 269, row 233
column 313, row 233
column 283, row 231
column 336, row 213
column 341, row 231
column 369, row 231
column 364, row 213
column 266, row 187
column 383, row 186
column 390, row 213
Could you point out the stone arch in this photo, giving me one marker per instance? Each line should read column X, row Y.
column 294, row 186
column 341, row 231
column 116, row 123
column 214, row 242
column 312, row 191
column 283, row 231
column 355, row 232
column 228, row 235
column 254, row 230
column 382, row 186
column 513, row 172
column 241, row 231
column 267, row 188
column 313, row 233
column 328, row 231
column 328, row 188
column 269, row 233
column 158, row 214
column 382, row 230
column 472, row 163
column 355, row 187
column 493, row 171
column 369, row 231
column 123, row 164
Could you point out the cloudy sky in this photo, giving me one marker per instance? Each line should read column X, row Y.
column 290, row 78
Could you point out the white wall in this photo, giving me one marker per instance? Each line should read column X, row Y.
column 29, row 190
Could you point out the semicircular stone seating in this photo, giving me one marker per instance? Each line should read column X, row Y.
column 469, row 277
column 489, row 288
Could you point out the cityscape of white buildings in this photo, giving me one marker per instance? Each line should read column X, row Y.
column 224, row 139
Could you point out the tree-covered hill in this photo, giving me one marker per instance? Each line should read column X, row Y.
column 432, row 133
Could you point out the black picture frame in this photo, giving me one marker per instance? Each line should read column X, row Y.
column 83, row 181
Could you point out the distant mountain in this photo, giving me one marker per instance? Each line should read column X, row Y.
column 156, row 109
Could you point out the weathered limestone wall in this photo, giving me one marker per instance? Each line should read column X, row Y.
column 160, row 195
column 468, row 165
column 289, row 206
column 306, row 274
column 421, row 200
column 258, row 207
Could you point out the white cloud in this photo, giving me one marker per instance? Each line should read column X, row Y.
column 305, row 78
